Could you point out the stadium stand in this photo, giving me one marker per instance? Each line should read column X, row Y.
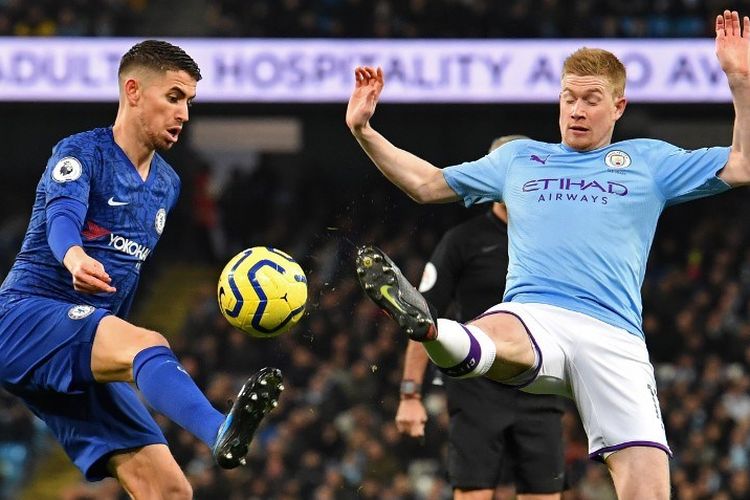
column 363, row 18
column 328, row 439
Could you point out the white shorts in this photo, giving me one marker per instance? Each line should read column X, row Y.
column 604, row 369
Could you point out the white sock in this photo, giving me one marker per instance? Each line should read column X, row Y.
column 461, row 351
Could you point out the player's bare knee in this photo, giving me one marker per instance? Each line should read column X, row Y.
column 114, row 350
column 151, row 338
column 178, row 488
column 640, row 472
column 161, row 484
column 512, row 342
column 138, row 340
column 145, row 339
column 150, row 473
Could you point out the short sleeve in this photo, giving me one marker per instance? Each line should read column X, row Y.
column 482, row 180
column 683, row 175
column 68, row 173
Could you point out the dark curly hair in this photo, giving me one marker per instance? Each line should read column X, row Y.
column 160, row 56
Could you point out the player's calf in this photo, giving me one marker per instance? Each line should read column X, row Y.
column 150, row 472
column 386, row 285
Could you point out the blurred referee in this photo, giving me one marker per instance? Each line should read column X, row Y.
column 498, row 436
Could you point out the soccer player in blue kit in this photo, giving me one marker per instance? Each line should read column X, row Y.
column 583, row 217
column 65, row 349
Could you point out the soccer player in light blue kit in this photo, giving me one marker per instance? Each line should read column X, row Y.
column 584, row 214
column 65, row 349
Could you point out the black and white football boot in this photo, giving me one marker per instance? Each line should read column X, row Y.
column 258, row 396
column 386, row 285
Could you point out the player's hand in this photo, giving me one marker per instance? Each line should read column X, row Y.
column 732, row 43
column 367, row 87
column 411, row 417
column 88, row 273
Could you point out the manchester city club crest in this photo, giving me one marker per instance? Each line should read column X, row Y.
column 66, row 170
column 80, row 311
column 617, row 159
column 161, row 219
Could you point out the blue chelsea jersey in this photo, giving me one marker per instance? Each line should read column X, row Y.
column 581, row 224
column 125, row 218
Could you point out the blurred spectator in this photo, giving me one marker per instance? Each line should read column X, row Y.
column 34, row 22
column 371, row 18
column 70, row 23
column 208, row 231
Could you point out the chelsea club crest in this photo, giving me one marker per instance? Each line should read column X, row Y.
column 80, row 311
column 161, row 220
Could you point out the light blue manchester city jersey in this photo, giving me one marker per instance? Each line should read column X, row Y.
column 581, row 224
column 125, row 218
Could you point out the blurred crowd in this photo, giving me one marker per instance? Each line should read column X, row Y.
column 365, row 18
column 333, row 435
column 69, row 17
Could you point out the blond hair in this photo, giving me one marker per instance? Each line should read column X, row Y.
column 504, row 140
column 597, row 62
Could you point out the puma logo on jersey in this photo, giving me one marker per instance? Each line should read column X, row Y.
column 539, row 159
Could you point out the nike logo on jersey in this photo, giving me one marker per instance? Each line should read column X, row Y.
column 114, row 203
column 489, row 248
column 539, row 159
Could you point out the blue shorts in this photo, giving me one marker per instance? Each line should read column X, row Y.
column 45, row 359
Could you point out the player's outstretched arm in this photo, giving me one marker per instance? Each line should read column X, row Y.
column 88, row 273
column 733, row 53
column 411, row 415
column 421, row 180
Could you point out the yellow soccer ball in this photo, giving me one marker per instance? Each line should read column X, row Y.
column 262, row 291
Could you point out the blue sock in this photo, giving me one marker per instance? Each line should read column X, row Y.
column 172, row 392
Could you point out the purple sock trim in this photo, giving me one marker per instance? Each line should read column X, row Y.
column 470, row 361
column 598, row 455
column 533, row 376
